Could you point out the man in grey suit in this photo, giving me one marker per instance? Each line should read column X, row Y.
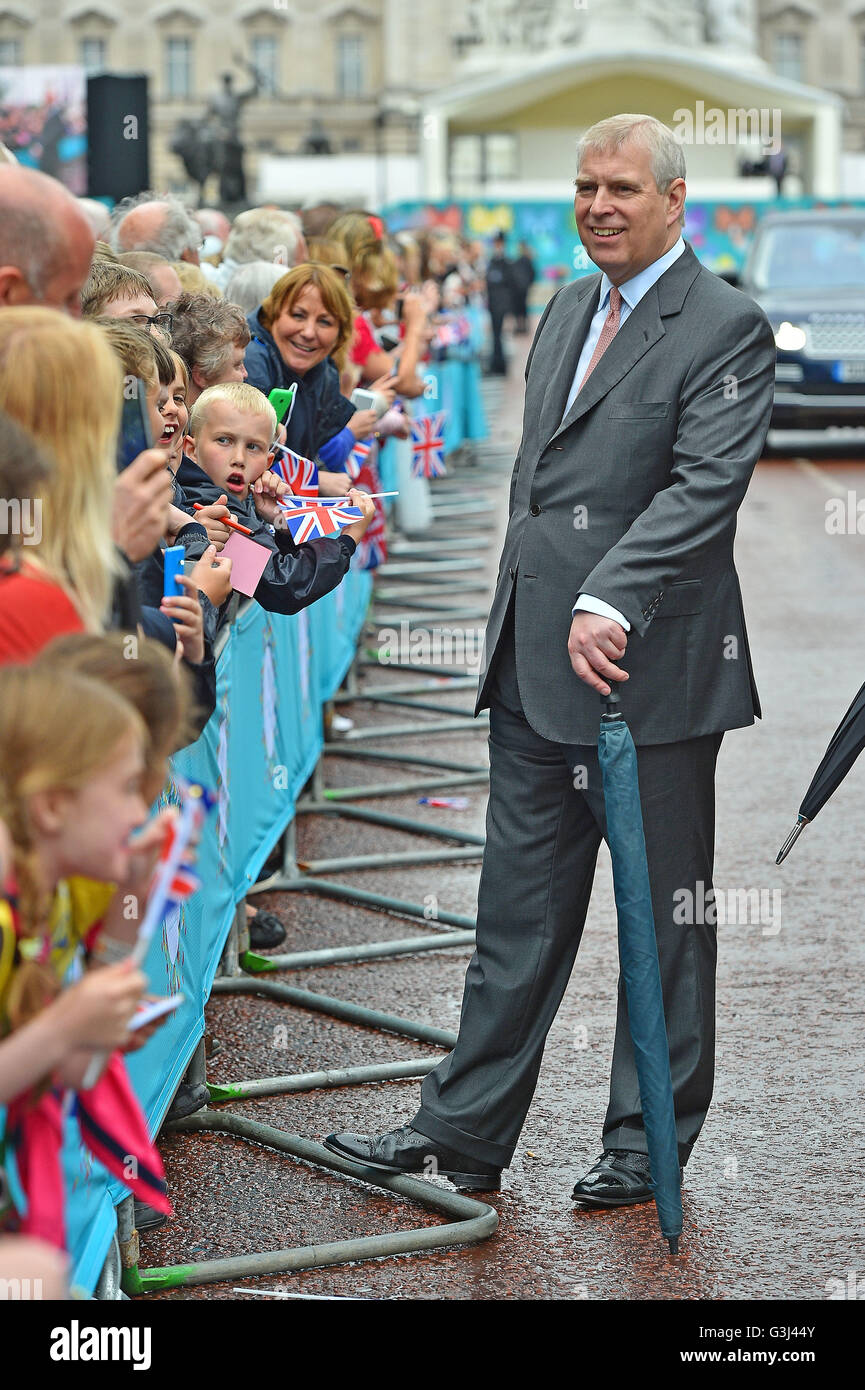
column 648, row 393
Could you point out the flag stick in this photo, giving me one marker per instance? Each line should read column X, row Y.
column 312, row 502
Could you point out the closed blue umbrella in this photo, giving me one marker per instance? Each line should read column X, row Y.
column 638, row 960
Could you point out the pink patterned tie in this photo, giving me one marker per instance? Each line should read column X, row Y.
column 608, row 333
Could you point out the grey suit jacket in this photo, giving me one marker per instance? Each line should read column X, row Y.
column 632, row 498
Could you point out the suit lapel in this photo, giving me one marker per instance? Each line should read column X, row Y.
column 640, row 331
column 565, row 354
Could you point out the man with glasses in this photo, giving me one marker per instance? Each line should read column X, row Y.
column 161, row 322
column 117, row 291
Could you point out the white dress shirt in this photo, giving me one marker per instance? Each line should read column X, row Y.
column 632, row 292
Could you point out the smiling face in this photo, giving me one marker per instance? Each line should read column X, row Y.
column 175, row 417
column 153, row 400
column 624, row 222
column 232, row 447
column 305, row 333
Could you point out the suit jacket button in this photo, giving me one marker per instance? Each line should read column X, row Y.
column 535, row 509
column 511, row 571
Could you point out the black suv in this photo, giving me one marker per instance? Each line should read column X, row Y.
column 807, row 271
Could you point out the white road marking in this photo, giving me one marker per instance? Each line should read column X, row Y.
column 831, row 484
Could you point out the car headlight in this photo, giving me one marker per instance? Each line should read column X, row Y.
column 789, row 337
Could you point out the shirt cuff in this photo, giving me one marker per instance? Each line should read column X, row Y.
column 586, row 604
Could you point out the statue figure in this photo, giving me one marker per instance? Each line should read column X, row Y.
column 316, row 140
column 731, row 24
column 223, row 115
column 212, row 144
column 195, row 144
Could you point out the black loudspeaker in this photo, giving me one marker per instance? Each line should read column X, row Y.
column 118, row 154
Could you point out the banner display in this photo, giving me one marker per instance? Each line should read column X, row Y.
column 43, row 121
column 720, row 232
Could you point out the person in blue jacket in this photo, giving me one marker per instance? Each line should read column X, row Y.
column 231, row 429
column 298, row 334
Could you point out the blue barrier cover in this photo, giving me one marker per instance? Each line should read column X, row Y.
column 454, row 385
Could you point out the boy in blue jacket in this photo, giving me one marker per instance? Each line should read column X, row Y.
column 231, row 432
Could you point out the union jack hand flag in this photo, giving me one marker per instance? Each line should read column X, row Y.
column 453, row 331
column 356, row 460
column 180, row 879
column 307, row 521
column 372, row 550
column 428, row 446
column 182, row 886
column 301, row 474
column 173, row 879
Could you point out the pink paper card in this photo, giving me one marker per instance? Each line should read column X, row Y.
column 249, row 560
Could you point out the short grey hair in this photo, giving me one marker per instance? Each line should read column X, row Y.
column 177, row 233
column 206, row 331
column 667, row 155
column 265, row 234
column 251, row 283
column 97, row 213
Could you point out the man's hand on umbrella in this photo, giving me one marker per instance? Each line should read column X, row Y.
column 594, row 643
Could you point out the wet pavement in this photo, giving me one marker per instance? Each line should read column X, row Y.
column 773, row 1193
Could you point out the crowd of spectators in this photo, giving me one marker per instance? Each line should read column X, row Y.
column 138, row 353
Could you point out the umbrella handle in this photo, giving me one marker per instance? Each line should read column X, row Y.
column 791, row 839
column 610, row 704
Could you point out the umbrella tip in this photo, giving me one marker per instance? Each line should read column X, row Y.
column 791, row 839
column 674, row 1244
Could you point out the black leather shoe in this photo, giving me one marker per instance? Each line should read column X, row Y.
column 405, row 1150
column 620, row 1178
column 147, row 1218
column 265, row 931
column 188, row 1098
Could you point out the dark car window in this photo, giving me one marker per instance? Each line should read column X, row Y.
column 810, row 256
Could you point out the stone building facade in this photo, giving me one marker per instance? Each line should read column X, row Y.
column 355, row 75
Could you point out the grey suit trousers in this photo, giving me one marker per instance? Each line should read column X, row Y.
column 543, row 836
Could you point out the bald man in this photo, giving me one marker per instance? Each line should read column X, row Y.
column 159, row 224
column 46, row 243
